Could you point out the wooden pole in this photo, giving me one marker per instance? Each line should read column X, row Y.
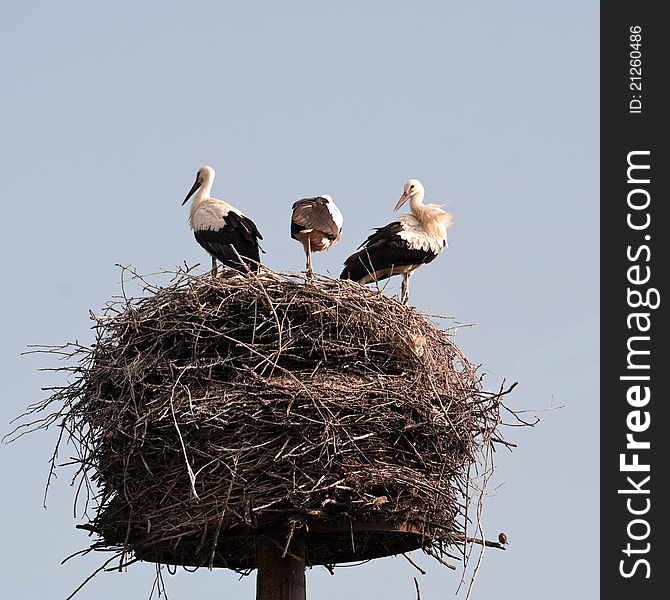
column 280, row 578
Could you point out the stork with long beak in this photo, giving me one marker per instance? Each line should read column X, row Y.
column 401, row 247
column 226, row 233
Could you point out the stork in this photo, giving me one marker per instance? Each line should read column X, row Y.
column 317, row 224
column 225, row 232
column 401, row 247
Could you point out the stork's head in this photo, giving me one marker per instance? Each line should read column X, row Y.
column 413, row 189
column 203, row 178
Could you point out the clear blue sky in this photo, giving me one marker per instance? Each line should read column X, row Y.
column 108, row 110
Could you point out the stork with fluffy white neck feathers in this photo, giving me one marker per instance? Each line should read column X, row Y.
column 401, row 247
column 226, row 233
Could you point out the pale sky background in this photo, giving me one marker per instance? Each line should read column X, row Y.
column 108, row 110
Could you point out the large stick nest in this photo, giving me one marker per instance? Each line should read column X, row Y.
column 210, row 412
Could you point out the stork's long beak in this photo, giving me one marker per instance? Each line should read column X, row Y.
column 402, row 201
column 196, row 185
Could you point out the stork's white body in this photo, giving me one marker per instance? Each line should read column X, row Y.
column 428, row 230
column 401, row 247
column 209, row 214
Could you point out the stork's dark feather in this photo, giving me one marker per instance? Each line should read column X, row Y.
column 239, row 235
column 383, row 254
column 313, row 213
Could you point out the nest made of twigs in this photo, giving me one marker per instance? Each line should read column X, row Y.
column 209, row 412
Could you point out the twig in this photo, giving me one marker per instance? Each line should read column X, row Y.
column 418, row 592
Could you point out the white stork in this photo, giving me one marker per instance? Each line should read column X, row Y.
column 403, row 246
column 317, row 224
column 225, row 232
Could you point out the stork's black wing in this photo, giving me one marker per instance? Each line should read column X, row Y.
column 239, row 235
column 383, row 254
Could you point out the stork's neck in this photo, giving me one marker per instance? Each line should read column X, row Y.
column 416, row 204
column 205, row 189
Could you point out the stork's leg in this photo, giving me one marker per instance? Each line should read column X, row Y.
column 214, row 268
column 404, row 290
column 310, row 269
column 308, row 252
